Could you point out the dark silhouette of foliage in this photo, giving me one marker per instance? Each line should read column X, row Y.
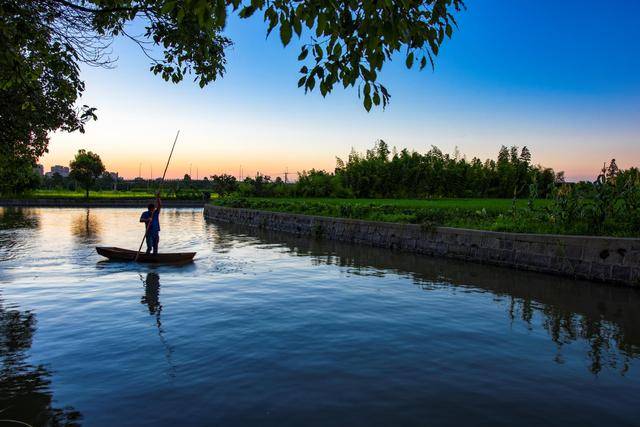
column 384, row 173
column 224, row 184
column 25, row 389
column 85, row 168
column 17, row 175
column 608, row 206
column 44, row 42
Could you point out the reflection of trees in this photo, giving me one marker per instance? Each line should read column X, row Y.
column 610, row 343
column 151, row 299
column 12, row 218
column 16, row 228
column 86, row 227
column 606, row 318
column 25, row 393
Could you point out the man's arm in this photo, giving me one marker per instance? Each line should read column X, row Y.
column 158, row 202
column 145, row 218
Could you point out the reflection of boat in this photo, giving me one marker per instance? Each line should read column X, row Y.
column 119, row 254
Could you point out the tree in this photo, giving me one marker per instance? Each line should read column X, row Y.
column 106, row 181
column 39, row 80
column 43, row 43
column 17, row 175
column 57, row 180
column 224, row 184
column 85, row 168
column 612, row 171
column 525, row 155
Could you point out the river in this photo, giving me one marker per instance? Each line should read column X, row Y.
column 271, row 329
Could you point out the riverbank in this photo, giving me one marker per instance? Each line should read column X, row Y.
column 539, row 216
column 604, row 259
column 120, row 202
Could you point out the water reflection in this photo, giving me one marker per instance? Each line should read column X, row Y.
column 86, row 227
column 14, row 218
column 17, row 226
column 25, row 395
column 151, row 299
column 605, row 318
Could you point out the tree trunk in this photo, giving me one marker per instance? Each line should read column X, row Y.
column 87, row 192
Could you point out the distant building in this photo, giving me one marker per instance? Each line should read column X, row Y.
column 115, row 178
column 39, row 169
column 62, row 170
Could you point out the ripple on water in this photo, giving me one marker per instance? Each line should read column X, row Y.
column 271, row 329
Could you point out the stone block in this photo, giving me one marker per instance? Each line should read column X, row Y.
column 596, row 258
column 491, row 242
column 600, row 271
column 621, row 273
column 506, row 244
column 521, row 246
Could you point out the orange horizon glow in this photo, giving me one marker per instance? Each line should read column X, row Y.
column 203, row 162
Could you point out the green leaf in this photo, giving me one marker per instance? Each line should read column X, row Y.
column 303, row 54
column 285, row 33
column 297, row 26
column 423, row 62
column 337, row 50
column 311, row 83
column 168, row 6
column 409, row 60
column 367, row 102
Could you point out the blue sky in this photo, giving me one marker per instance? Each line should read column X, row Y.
column 559, row 77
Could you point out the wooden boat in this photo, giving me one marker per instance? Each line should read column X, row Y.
column 119, row 254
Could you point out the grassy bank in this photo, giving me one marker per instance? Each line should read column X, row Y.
column 485, row 214
column 68, row 194
column 481, row 214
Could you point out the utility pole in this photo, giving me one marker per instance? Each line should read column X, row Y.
column 190, row 165
column 140, row 170
column 286, row 174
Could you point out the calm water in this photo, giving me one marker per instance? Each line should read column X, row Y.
column 270, row 329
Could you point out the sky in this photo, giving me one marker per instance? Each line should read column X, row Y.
column 559, row 77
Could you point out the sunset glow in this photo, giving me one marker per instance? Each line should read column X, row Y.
column 493, row 85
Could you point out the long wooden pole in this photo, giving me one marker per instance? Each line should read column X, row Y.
column 146, row 231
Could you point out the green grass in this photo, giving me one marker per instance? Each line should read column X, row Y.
column 107, row 194
column 476, row 204
column 68, row 194
column 482, row 214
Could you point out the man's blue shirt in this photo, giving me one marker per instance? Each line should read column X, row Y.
column 155, row 221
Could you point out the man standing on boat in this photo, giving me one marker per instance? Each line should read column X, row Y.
column 151, row 219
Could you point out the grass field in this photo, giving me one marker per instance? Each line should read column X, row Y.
column 483, row 214
column 68, row 194
column 475, row 204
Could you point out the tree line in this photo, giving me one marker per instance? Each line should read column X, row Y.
column 382, row 172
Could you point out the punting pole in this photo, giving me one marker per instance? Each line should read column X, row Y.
column 146, row 231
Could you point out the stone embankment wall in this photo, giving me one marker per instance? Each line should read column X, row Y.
column 104, row 203
column 605, row 259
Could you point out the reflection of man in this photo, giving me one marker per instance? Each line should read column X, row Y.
column 151, row 219
column 152, row 292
